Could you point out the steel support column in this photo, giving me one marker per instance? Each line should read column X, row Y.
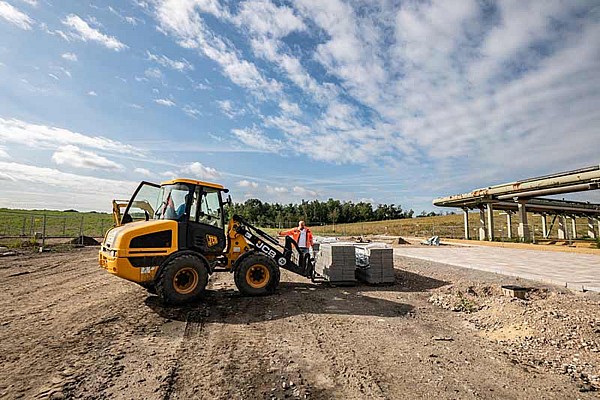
column 482, row 229
column 562, row 227
column 523, row 224
column 509, row 224
column 574, row 228
column 490, row 221
column 591, row 230
column 544, row 227
column 466, row 222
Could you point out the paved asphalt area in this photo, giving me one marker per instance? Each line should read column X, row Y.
column 575, row 271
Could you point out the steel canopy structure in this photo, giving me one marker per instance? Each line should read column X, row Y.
column 524, row 196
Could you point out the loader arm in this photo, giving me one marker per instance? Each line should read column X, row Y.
column 268, row 245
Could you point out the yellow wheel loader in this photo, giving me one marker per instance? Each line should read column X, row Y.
column 172, row 236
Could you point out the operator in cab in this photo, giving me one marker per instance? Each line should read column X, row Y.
column 302, row 235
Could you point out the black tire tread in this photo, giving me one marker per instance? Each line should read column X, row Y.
column 239, row 275
column 163, row 287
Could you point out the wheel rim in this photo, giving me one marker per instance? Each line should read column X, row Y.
column 257, row 276
column 185, row 280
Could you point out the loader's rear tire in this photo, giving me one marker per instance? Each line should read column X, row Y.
column 256, row 275
column 182, row 280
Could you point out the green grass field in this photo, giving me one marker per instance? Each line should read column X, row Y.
column 25, row 223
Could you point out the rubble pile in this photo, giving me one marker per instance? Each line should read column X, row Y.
column 549, row 330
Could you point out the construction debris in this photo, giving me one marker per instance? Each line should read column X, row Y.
column 432, row 241
column 401, row 240
column 514, row 291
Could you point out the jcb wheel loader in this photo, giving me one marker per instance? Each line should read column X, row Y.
column 172, row 236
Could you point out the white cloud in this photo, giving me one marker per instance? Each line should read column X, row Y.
column 53, row 77
column 143, row 171
column 92, row 93
column 83, row 31
column 32, row 3
column 229, row 109
column 191, row 111
column 65, row 71
column 178, row 65
column 288, row 125
column 165, row 102
column 199, row 171
column 289, row 108
column 15, row 16
column 255, row 138
column 52, row 189
column 276, row 189
column 299, row 190
column 247, row 184
column 266, row 19
column 7, row 177
column 3, row 153
column 69, row 56
column 130, row 20
column 43, row 136
column 153, row 73
column 181, row 19
column 73, row 156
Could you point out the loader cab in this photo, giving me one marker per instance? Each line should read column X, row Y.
column 196, row 206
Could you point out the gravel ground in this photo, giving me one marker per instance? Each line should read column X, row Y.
column 70, row 330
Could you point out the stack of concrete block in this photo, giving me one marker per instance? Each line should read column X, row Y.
column 337, row 262
column 381, row 264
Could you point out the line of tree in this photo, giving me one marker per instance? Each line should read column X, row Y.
column 316, row 212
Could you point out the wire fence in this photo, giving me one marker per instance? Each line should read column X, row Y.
column 43, row 226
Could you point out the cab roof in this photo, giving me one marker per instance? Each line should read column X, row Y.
column 194, row 182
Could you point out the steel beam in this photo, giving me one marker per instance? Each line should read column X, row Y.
column 563, row 182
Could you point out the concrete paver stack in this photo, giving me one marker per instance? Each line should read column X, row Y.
column 380, row 262
column 337, row 262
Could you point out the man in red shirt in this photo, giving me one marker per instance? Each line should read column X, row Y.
column 302, row 235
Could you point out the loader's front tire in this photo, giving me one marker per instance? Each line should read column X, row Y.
column 182, row 280
column 256, row 275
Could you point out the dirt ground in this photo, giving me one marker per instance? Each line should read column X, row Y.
column 70, row 330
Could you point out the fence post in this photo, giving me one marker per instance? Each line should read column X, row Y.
column 43, row 233
column 102, row 228
column 81, row 231
column 32, row 227
column 24, row 225
column 64, row 226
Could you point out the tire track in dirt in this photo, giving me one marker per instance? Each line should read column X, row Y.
column 332, row 360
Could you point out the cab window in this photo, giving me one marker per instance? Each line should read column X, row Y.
column 210, row 208
column 173, row 201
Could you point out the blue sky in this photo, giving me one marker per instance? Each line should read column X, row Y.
column 385, row 101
